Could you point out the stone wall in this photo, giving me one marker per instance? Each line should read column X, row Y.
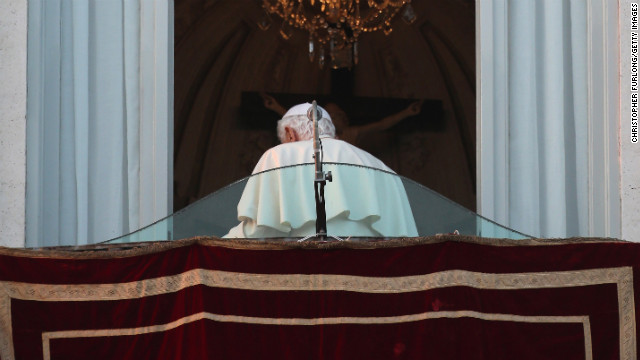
column 13, row 107
column 629, row 151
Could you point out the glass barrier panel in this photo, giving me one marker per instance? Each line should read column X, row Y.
column 359, row 202
column 435, row 214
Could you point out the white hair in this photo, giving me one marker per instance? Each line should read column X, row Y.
column 304, row 127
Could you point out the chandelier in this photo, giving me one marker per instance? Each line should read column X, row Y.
column 334, row 26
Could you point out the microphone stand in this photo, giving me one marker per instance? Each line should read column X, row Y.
column 321, row 177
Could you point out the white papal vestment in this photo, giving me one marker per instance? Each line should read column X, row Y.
column 360, row 201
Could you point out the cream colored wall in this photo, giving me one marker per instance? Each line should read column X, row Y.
column 629, row 152
column 13, row 110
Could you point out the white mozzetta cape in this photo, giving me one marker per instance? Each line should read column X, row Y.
column 359, row 202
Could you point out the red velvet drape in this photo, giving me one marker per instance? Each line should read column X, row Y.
column 429, row 298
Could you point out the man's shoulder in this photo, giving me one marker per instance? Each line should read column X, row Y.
column 342, row 152
column 301, row 152
column 291, row 151
column 286, row 154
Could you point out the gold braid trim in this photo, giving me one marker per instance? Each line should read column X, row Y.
column 70, row 334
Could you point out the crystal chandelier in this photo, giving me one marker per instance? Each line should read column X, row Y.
column 334, row 26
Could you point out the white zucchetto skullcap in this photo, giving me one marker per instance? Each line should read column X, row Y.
column 301, row 109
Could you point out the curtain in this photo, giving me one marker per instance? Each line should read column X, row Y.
column 99, row 118
column 534, row 116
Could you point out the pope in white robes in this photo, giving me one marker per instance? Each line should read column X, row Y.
column 365, row 198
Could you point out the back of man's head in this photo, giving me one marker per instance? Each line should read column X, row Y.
column 296, row 119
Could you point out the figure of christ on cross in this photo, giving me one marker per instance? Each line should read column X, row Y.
column 344, row 129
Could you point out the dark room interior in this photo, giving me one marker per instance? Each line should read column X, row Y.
column 224, row 62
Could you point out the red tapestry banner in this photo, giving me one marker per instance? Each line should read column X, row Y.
column 445, row 297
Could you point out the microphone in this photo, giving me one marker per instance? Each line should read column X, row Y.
column 314, row 110
column 314, row 114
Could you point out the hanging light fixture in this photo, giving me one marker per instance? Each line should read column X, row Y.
column 334, row 26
